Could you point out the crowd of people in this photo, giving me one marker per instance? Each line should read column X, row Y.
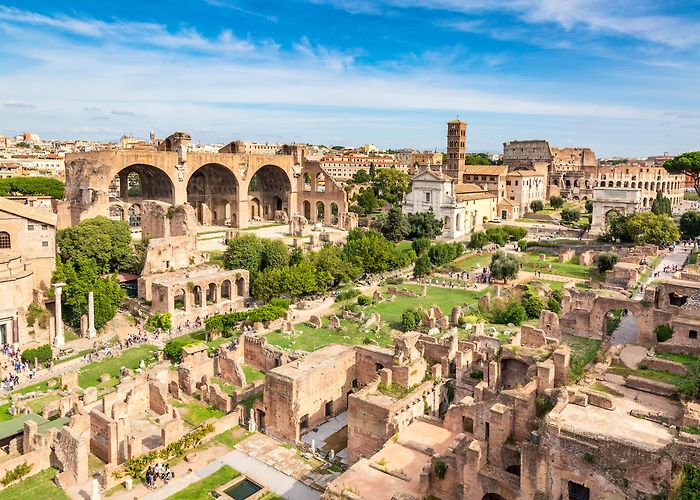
column 13, row 367
column 156, row 472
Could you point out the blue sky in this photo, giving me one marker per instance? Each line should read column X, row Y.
column 620, row 76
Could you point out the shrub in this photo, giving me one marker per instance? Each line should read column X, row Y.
column 689, row 484
column 532, row 303
column 440, row 469
column 394, row 280
column 536, row 206
column 606, row 261
column 363, row 300
column 348, row 294
column 556, row 202
column 511, row 311
column 164, row 321
column 410, row 319
column 479, row 240
column 225, row 323
column 570, row 215
column 663, row 332
column 543, row 406
column 421, row 246
column 39, row 315
column 173, row 347
column 422, row 266
column 553, row 305
column 17, row 473
column 522, row 245
column 42, row 353
column 589, row 206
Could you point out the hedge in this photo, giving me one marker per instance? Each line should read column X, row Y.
column 225, row 323
column 42, row 353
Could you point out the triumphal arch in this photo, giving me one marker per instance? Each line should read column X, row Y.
column 228, row 188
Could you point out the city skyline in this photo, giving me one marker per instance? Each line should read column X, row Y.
column 619, row 79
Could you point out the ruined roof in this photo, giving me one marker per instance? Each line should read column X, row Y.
column 28, row 212
column 199, row 274
column 325, row 356
column 16, row 425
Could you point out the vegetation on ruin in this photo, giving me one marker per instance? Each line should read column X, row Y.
column 570, row 215
column 410, row 319
column 686, row 484
column 226, row 323
column 173, row 349
column 440, row 469
column 251, row 374
column 543, row 405
column 606, row 261
column 504, row 266
column 532, row 303
column 307, row 338
column 18, row 472
column 641, row 228
column 612, row 320
column 38, row 315
column 644, row 372
column 395, row 391
column 506, row 312
column 89, row 375
column 196, row 412
column 202, row 488
column 40, row 485
column 663, row 332
column 32, row 186
column 583, row 351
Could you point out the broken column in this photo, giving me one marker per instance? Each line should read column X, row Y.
column 91, row 332
column 59, row 340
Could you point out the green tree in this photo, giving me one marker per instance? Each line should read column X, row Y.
column 410, row 319
column 421, row 246
column 423, row 224
column 536, row 206
column 331, row 269
column 105, row 241
column 372, row 253
column 82, row 277
column 422, row 267
column 661, row 204
column 478, row 240
column 477, row 159
column 642, row 228
column 244, row 251
column 570, row 215
column 366, row 202
column 394, row 226
column 33, row 186
column 589, row 206
column 606, row 261
column 688, row 164
column 274, row 254
column 372, row 171
column 532, row 303
column 391, row 184
column 690, row 224
column 361, row 177
column 504, row 266
column 503, row 313
column 556, row 202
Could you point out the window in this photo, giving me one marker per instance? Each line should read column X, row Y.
column 4, row 240
column 44, row 227
column 427, row 196
column 692, row 334
column 30, row 227
column 44, row 243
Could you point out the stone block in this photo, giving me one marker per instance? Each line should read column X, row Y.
column 70, row 380
column 315, row 322
column 90, row 395
column 532, row 337
column 105, row 377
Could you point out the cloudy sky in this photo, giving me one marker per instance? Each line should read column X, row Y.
column 620, row 76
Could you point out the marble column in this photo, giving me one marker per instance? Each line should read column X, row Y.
column 59, row 339
column 91, row 332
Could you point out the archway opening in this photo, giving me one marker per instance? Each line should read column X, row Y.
column 135, row 216
column 307, row 209
column 270, row 185
column 116, row 212
column 142, row 182
column 334, row 214
column 226, row 289
column 213, row 192
column 320, row 183
column 320, row 211
column 492, row 496
column 180, row 300
column 197, row 292
column 211, row 293
column 621, row 326
column 240, row 287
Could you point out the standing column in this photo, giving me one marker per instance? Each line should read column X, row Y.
column 91, row 332
column 59, row 340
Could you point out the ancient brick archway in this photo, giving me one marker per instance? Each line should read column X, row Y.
column 643, row 313
column 272, row 187
column 213, row 191
column 138, row 182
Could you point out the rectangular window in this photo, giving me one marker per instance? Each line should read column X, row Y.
column 30, row 227
column 693, row 334
column 427, row 196
column 516, row 183
column 44, row 243
column 44, row 227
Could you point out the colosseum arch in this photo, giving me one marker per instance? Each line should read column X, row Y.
column 213, row 190
column 143, row 182
column 272, row 187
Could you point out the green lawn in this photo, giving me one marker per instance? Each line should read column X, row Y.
column 38, row 404
column 227, row 439
column 553, row 285
column 200, row 490
column 659, row 376
column 693, row 259
column 532, row 263
column 472, row 261
column 195, row 413
column 89, row 375
column 583, row 351
column 40, row 486
column 404, row 245
column 251, row 374
column 310, row 339
column 688, row 361
column 201, row 335
column 216, row 257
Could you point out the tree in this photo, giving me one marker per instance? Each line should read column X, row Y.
column 394, row 226
column 504, row 266
column 421, row 246
column 422, row 267
column 423, row 224
column 688, row 164
column 589, row 206
column 503, row 313
column 478, row 240
column 690, row 224
column 244, row 251
column 477, row 159
column 570, row 215
column 661, row 204
column 331, row 269
column 370, row 252
column 606, row 261
column 532, row 303
column 642, row 229
column 556, row 202
column 367, row 202
column 105, row 241
column 32, row 186
column 410, row 319
column 391, row 184
column 536, row 206
column 274, row 254
column 80, row 278
column 361, row 177
column 372, row 171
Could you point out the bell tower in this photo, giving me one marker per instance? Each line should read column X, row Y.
column 456, row 147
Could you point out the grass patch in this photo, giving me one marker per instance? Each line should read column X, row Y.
column 583, row 351
column 225, row 386
column 200, row 490
column 89, row 376
column 688, row 361
column 70, row 335
column 38, row 404
column 200, row 335
column 532, row 263
column 73, row 356
column 691, row 429
column 554, row 285
column 471, row 261
column 39, row 485
column 196, row 413
column 659, row 376
column 310, row 339
column 227, row 438
column 597, row 386
column 251, row 374
column 248, row 402
column 691, row 196
column 693, row 259
column 216, row 257
column 395, row 391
